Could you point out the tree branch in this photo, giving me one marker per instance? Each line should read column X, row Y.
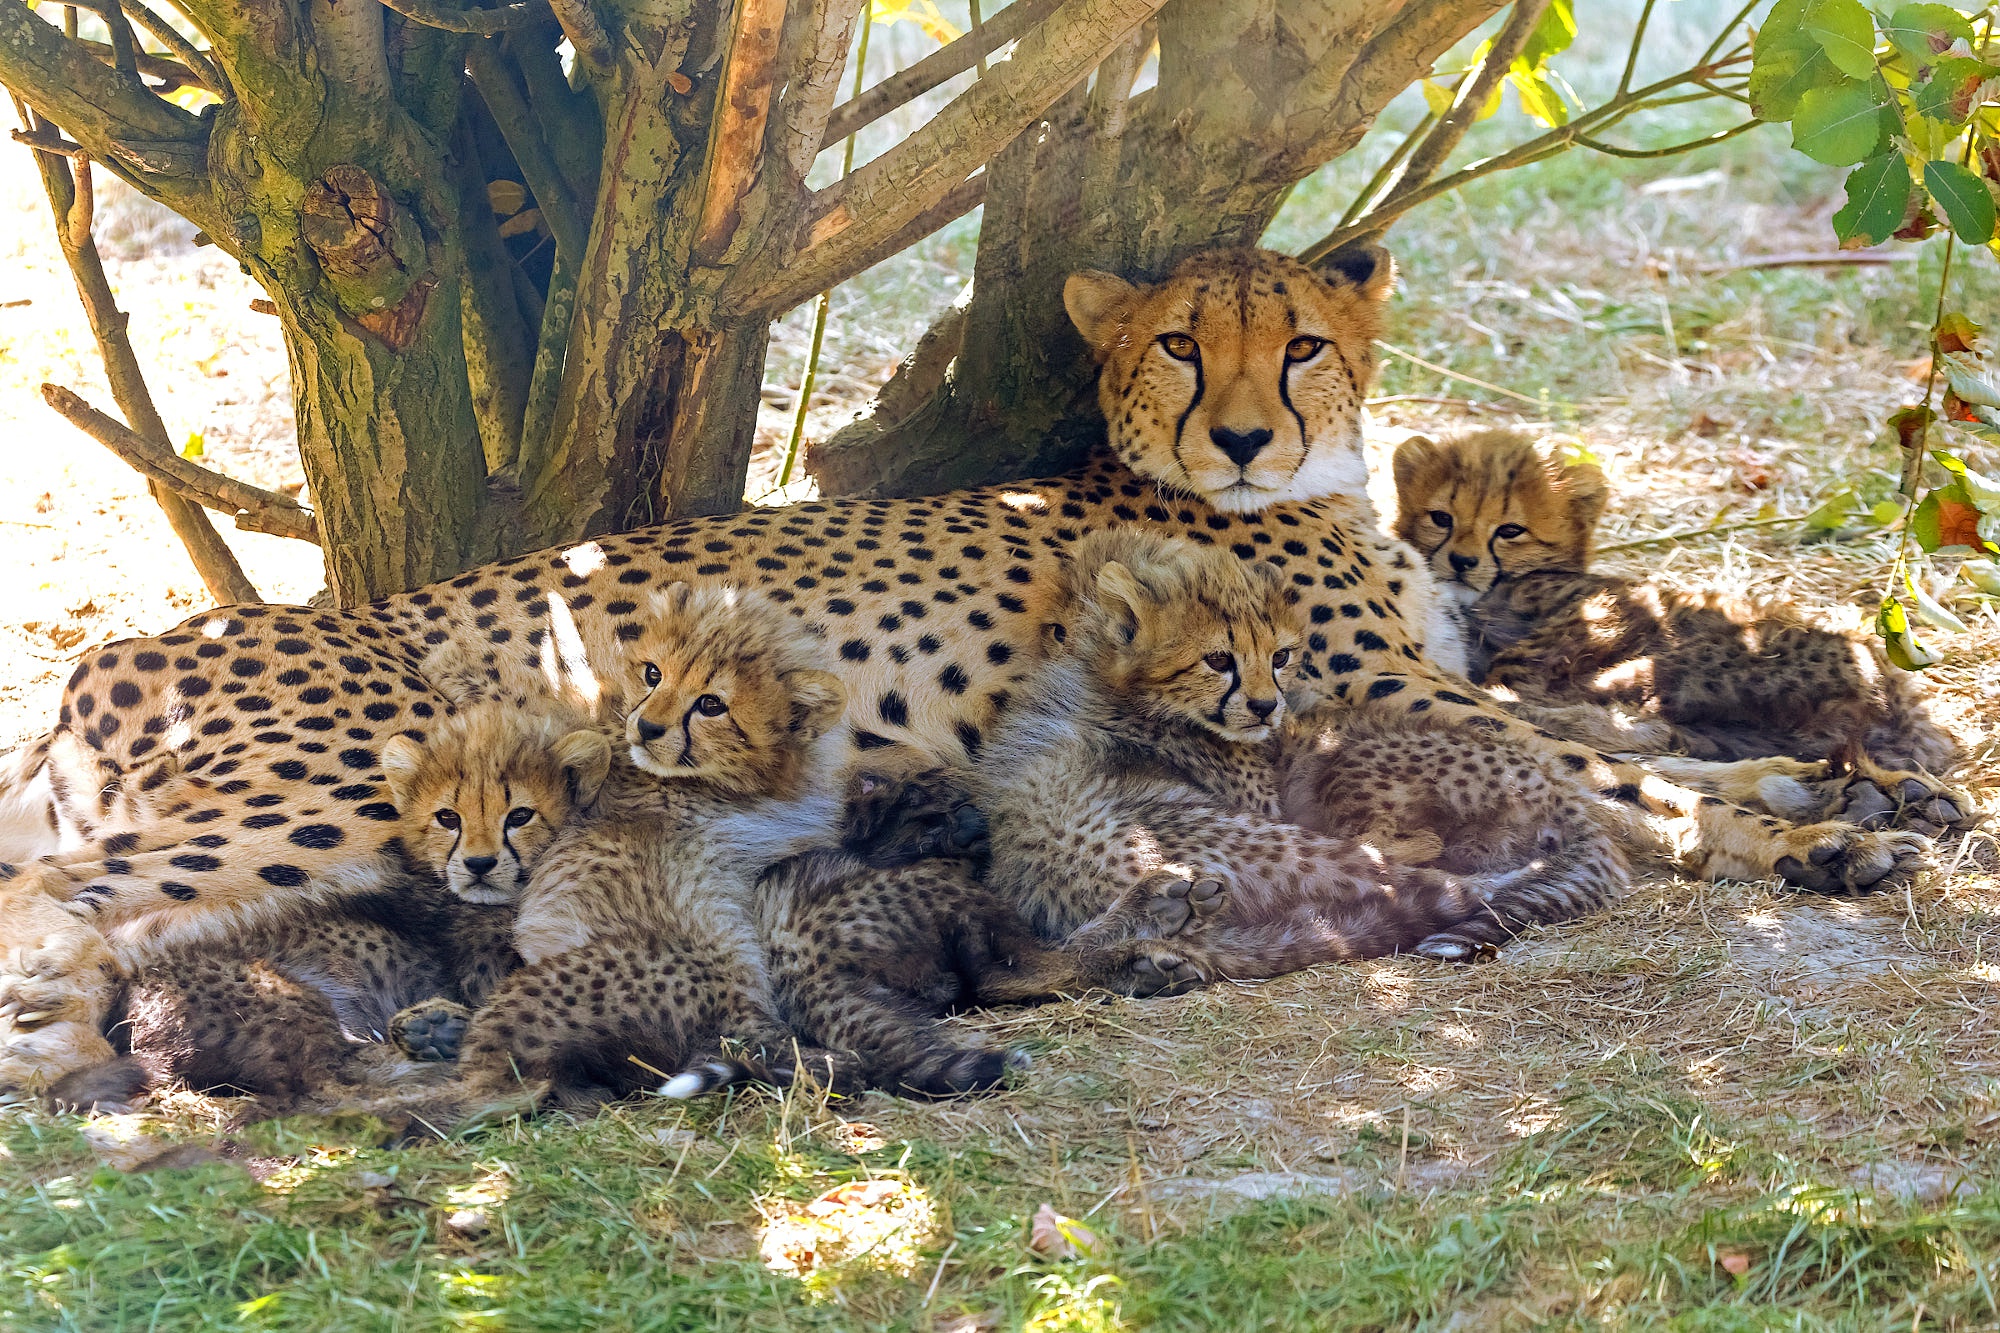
column 1336, row 109
column 791, row 287
column 1473, row 93
column 812, row 82
column 743, row 109
column 190, row 55
column 111, row 113
column 478, row 22
column 945, row 63
column 493, row 75
column 855, row 216
column 70, row 198
column 254, row 508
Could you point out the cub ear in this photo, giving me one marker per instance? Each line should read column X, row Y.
column 585, row 757
column 672, row 600
column 401, row 758
column 1412, row 457
column 1123, row 597
column 1367, row 268
column 817, row 698
column 1099, row 304
column 1582, row 484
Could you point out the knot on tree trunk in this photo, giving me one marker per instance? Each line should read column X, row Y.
column 369, row 247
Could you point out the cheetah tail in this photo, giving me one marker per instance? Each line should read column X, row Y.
column 706, row 1076
column 1581, row 870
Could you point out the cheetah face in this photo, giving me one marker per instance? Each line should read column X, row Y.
column 723, row 687
column 482, row 797
column 1185, row 635
column 1240, row 378
column 1490, row 505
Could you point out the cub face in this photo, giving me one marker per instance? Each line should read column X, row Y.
column 482, row 796
column 1240, row 378
column 723, row 686
column 1182, row 633
column 1489, row 505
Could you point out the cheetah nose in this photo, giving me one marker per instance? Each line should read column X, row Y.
column 650, row 731
column 1263, row 708
column 480, row 865
column 1461, row 563
column 1239, row 445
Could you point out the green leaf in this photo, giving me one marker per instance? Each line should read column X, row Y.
column 1893, row 624
column 1971, row 379
column 1552, row 35
column 1884, row 512
column 1878, row 192
column 1786, row 62
column 1948, row 521
column 1437, row 97
column 1840, row 125
column 1954, row 88
column 1980, row 491
column 1982, row 574
column 196, row 445
column 1929, row 608
column 1538, row 96
column 1964, row 198
column 1923, row 32
column 1846, row 33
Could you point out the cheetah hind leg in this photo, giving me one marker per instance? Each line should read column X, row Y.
column 430, row 1030
column 1878, row 798
column 1161, row 906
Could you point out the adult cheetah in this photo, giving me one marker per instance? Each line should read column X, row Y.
column 1232, row 392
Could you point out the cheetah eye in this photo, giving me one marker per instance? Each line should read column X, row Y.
column 1441, row 518
column 1279, row 658
column 447, row 819
column 650, row 674
column 1179, row 346
column 1219, row 661
column 520, row 816
column 1509, row 530
column 710, row 705
column 1303, row 348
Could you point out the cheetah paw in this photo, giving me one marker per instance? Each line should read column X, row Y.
column 1842, row 858
column 430, row 1030
column 1154, row 970
column 32, row 1060
column 1449, row 947
column 1904, row 800
column 1176, row 904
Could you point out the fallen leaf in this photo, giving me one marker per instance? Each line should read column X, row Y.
column 469, row 1222
column 855, row 1194
column 679, row 82
column 1053, row 1236
column 1735, row 1263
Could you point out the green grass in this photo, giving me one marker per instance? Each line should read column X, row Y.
column 1622, row 1215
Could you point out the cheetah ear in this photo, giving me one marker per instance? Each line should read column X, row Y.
column 817, row 698
column 673, row 599
column 1366, row 268
column 1099, row 304
column 1582, row 485
column 585, row 757
column 1412, row 456
column 1124, row 597
column 401, row 758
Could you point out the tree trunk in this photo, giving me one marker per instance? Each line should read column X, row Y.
column 1251, row 98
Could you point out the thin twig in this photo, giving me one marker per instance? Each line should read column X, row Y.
column 1714, row 530
column 585, row 31
column 1632, row 52
column 826, row 297
column 1672, row 150
column 50, row 141
column 478, row 22
column 493, row 75
column 1416, row 360
column 254, row 508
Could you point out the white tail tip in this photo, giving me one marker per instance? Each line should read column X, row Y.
column 682, row 1086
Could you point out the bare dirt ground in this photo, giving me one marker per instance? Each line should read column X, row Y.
column 1648, row 1114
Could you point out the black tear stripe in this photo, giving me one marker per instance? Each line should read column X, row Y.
column 1180, row 423
column 1285, row 397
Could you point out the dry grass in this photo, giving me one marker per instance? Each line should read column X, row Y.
column 1722, row 1105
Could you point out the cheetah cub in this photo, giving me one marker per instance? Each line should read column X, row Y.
column 1507, row 529
column 1148, row 745
column 636, row 929
column 296, row 1012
